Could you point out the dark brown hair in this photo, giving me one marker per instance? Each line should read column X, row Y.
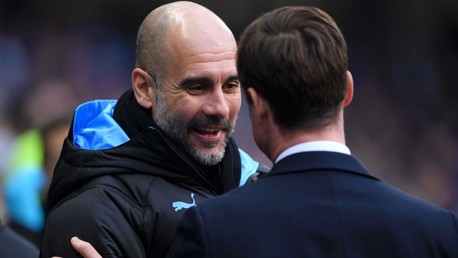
column 295, row 58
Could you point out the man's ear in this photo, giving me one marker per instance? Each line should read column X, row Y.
column 258, row 107
column 349, row 91
column 144, row 88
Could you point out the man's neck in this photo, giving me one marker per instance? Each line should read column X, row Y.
column 285, row 141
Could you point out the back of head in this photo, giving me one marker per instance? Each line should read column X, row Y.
column 191, row 21
column 296, row 59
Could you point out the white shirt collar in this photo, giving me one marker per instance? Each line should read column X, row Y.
column 314, row 146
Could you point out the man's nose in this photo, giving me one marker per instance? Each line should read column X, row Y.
column 217, row 104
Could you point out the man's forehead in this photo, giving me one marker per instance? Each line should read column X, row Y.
column 203, row 62
column 202, row 57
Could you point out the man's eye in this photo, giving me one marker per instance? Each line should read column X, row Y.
column 195, row 89
column 232, row 86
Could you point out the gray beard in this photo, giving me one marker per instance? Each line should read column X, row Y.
column 177, row 131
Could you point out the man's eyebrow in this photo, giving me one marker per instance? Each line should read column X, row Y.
column 186, row 82
column 233, row 78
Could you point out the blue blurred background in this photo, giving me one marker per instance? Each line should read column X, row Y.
column 403, row 56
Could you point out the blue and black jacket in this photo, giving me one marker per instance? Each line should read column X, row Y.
column 122, row 184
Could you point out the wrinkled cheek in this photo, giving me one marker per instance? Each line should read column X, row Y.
column 234, row 115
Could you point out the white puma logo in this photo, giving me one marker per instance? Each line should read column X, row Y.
column 182, row 205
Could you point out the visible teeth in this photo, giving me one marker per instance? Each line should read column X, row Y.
column 207, row 130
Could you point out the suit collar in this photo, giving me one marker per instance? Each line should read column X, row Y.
column 319, row 160
column 314, row 146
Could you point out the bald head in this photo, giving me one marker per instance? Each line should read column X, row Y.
column 181, row 22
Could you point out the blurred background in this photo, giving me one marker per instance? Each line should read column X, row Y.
column 402, row 124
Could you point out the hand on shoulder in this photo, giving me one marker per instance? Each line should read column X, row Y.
column 84, row 248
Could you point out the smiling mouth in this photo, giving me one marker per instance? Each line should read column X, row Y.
column 210, row 137
column 207, row 131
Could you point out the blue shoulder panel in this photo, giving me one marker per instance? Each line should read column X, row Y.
column 94, row 127
column 249, row 166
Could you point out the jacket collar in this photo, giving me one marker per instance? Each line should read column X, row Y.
column 320, row 160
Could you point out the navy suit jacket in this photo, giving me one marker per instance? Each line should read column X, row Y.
column 317, row 204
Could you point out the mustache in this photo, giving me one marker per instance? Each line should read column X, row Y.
column 210, row 121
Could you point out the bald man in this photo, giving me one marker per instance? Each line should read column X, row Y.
column 131, row 167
